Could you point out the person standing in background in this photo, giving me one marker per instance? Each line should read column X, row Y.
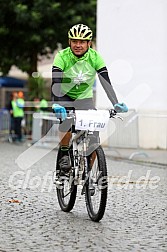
column 18, row 115
column 40, row 105
column 36, row 104
column 10, row 109
column 43, row 105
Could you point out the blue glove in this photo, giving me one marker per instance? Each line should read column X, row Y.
column 120, row 108
column 59, row 111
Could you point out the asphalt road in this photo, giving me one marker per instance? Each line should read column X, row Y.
column 31, row 220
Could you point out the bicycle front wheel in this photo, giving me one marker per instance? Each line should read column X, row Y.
column 96, row 186
column 66, row 190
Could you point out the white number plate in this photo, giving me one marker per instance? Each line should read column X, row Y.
column 93, row 120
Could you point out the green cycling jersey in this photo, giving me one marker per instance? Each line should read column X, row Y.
column 78, row 72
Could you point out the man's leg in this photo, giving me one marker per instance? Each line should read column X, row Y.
column 65, row 136
column 18, row 128
column 64, row 141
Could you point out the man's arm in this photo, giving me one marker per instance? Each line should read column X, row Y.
column 106, row 83
column 57, row 75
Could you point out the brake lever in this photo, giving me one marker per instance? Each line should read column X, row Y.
column 119, row 117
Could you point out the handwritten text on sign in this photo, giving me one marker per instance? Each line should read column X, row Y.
column 93, row 120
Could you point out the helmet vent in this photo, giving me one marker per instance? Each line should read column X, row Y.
column 80, row 31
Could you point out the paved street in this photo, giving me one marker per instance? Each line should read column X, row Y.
column 31, row 220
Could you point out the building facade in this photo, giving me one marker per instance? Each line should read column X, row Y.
column 132, row 38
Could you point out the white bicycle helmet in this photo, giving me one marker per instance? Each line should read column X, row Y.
column 80, row 31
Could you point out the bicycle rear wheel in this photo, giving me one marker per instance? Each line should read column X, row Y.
column 96, row 186
column 66, row 190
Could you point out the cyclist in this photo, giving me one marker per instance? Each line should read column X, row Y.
column 73, row 75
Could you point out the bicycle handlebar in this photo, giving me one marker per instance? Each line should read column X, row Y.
column 112, row 114
column 70, row 115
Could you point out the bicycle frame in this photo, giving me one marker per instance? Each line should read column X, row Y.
column 79, row 146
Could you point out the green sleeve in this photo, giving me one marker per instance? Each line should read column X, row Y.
column 58, row 61
column 99, row 62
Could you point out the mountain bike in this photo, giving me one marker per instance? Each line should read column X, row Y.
column 88, row 164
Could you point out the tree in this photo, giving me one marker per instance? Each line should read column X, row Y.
column 32, row 28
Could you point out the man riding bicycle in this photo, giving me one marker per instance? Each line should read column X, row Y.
column 73, row 75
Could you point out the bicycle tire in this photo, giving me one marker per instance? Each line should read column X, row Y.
column 66, row 205
column 97, row 184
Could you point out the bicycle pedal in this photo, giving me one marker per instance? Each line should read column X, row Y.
column 57, row 182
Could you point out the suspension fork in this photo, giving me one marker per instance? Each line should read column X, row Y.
column 85, row 157
column 76, row 158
